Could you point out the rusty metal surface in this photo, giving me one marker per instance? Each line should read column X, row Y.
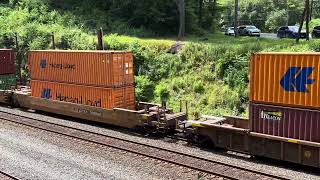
column 108, row 98
column 257, row 144
column 286, row 79
column 295, row 151
column 7, row 61
column 117, row 117
column 95, row 68
column 285, row 122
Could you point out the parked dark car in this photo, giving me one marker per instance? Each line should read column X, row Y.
column 316, row 32
column 246, row 30
column 290, row 32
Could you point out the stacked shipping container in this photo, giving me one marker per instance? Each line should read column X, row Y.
column 7, row 69
column 284, row 95
column 96, row 78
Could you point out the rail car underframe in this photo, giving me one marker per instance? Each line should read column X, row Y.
column 233, row 135
column 146, row 116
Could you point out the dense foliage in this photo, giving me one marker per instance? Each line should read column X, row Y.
column 268, row 15
column 142, row 17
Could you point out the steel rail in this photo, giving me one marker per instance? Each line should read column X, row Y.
column 8, row 175
column 211, row 170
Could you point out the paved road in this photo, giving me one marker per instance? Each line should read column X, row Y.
column 269, row 35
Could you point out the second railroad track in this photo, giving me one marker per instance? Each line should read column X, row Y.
column 203, row 165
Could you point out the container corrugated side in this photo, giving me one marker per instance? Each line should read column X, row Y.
column 285, row 122
column 286, row 79
column 107, row 98
column 7, row 61
column 90, row 68
column 7, row 81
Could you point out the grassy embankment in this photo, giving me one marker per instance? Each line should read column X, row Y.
column 211, row 74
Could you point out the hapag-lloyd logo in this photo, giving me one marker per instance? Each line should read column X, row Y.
column 44, row 65
column 46, row 93
column 271, row 115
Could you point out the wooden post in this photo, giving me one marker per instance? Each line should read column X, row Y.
column 187, row 108
column 236, row 8
column 18, row 57
column 180, row 105
column 53, row 42
column 16, row 41
column 100, row 39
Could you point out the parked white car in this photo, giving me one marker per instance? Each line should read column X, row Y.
column 229, row 31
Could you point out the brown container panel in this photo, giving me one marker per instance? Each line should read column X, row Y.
column 286, row 79
column 90, row 68
column 285, row 122
column 107, row 98
column 7, row 61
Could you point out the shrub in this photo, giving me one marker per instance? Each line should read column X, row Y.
column 144, row 88
column 162, row 93
column 198, row 87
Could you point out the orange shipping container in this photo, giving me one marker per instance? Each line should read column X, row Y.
column 107, row 98
column 287, row 79
column 90, row 68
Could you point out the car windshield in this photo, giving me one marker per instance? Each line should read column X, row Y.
column 294, row 28
column 251, row 27
column 231, row 28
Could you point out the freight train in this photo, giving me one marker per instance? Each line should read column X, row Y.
column 99, row 86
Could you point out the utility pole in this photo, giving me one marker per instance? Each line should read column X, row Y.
column 236, row 8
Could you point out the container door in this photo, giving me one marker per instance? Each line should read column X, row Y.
column 129, row 69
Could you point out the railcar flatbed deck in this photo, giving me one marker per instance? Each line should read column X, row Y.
column 233, row 134
column 146, row 115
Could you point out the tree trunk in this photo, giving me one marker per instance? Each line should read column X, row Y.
column 236, row 4
column 301, row 23
column 307, row 18
column 200, row 12
column 182, row 14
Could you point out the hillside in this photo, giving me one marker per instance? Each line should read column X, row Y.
column 210, row 72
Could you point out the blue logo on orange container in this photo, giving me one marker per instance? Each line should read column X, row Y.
column 43, row 63
column 46, row 93
column 296, row 79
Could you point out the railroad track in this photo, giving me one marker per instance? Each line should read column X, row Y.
column 6, row 176
column 192, row 162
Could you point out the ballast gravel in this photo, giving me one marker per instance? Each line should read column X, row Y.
column 42, row 146
column 28, row 153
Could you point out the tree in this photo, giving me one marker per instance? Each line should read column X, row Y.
column 276, row 19
column 182, row 13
